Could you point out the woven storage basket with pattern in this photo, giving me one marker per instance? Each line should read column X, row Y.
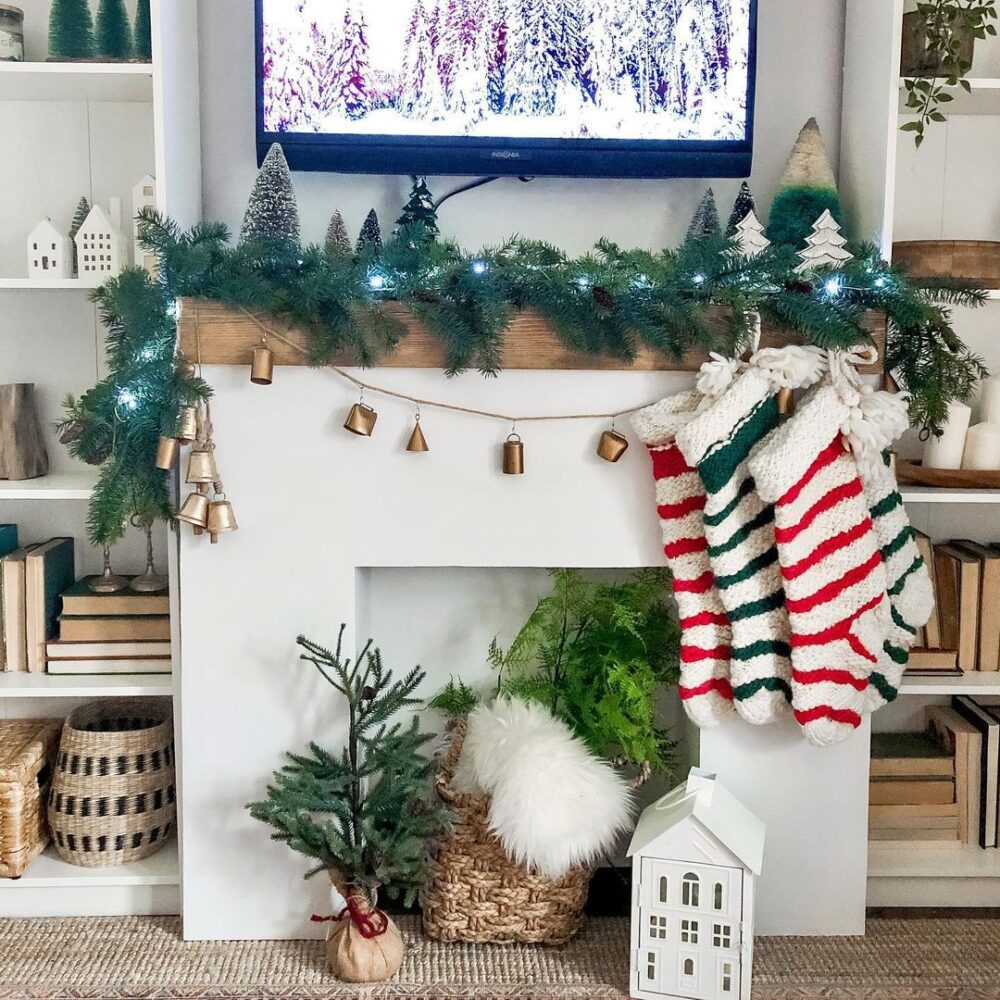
column 27, row 753
column 112, row 799
column 475, row 893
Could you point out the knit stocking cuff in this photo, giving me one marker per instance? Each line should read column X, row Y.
column 658, row 424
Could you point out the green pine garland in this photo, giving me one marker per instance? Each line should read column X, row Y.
column 608, row 303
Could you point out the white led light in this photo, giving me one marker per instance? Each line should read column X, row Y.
column 127, row 398
column 479, row 267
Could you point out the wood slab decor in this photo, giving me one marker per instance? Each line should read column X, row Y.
column 948, row 479
column 229, row 336
column 977, row 261
column 22, row 447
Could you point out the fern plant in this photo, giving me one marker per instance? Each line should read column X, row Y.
column 366, row 811
column 597, row 655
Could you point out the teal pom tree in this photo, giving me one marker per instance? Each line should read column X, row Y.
column 71, row 30
column 143, row 31
column 419, row 211
column 706, row 218
column 272, row 215
column 367, row 810
column 807, row 189
column 114, row 34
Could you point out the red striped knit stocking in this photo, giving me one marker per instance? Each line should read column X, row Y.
column 830, row 562
column 705, row 634
column 739, row 526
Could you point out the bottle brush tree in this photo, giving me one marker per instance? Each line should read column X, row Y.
column 337, row 241
column 143, row 31
column 272, row 215
column 79, row 218
column 706, row 218
column 114, row 34
column 419, row 211
column 370, row 237
column 367, row 810
column 71, row 30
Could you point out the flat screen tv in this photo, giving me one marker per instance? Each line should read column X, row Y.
column 613, row 88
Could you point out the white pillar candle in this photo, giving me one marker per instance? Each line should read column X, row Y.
column 989, row 400
column 982, row 448
column 945, row 452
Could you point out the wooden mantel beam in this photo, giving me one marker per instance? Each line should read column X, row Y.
column 228, row 337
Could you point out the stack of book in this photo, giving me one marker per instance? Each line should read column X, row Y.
column 123, row 633
column 939, row 787
column 31, row 578
column 963, row 633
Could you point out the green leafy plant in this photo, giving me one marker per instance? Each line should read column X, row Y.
column 455, row 698
column 946, row 23
column 367, row 811
column 598, row 655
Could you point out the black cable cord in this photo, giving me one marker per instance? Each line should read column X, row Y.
column 471, row 186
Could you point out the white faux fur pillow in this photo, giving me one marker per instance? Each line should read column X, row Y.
column 554, row 804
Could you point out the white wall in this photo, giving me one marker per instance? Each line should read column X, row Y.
column 314, row 503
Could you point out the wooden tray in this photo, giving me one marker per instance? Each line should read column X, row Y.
column 951, row 479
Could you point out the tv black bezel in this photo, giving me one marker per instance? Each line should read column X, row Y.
column 392, row 154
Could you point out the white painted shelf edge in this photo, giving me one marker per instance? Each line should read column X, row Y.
column 25, row 685
column 984, row 99
column 75, row 81
column 977, row 682
column 49, row 871
column 905, row 861
column 930, row 494
column 46, row 284
column 77, row 485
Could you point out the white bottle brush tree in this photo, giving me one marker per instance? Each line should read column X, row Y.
column 365, row 812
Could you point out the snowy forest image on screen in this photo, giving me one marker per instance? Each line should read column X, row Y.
column 544, row 69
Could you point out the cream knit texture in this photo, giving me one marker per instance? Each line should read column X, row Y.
column 830, row 562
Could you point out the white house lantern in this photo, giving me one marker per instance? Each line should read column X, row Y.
column 100, row 245
column 695, row 855
column 143, row 196
column 49, row 253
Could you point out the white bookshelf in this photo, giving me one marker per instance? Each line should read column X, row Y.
column 87, row 129
column 930, row 494
column 982, row 99
column 971, row 683
column 27, row 685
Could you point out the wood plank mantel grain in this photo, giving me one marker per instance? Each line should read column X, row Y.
column 228, row 337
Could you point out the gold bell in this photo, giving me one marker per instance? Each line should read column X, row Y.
column 194, row 510
column 201, row 466
column 262, row 367
column 786, row 402
column 220, row 517
column 612, row 446
column 513, row 456
column 417, row 440
column 184, row 367
column 361, row 420
column 166, row 452
column 187, row 424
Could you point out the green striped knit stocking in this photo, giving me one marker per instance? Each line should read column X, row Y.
column 831, row 564
column 705, row 633
column 739, row 526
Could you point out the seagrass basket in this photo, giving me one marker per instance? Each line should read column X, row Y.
column 112, row 799
column 27, row 752
column 475, row 893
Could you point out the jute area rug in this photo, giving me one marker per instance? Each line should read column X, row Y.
column 143, row 958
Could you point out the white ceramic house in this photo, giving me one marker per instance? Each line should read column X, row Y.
column 143, row 196
column 99, row 244
column 49, row 252
column 695, row 855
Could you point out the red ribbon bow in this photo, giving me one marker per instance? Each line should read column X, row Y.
column 371, row 923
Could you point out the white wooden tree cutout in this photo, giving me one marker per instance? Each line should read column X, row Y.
column 750, row 236
column 826, row 246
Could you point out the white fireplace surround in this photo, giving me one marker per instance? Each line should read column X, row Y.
column 315, row 504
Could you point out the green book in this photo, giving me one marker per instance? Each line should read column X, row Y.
column 8, row 542
column 49, row 570
column 910, row 755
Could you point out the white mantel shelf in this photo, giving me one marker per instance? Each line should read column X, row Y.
column 76, row 81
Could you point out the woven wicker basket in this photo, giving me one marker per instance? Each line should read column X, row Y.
column 475, row 893
column 27, row 752
column 112, row 799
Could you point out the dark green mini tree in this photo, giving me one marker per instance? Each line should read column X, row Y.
column 114, row 34
column 742, row 207
column 79, row 217
column 71, row 30
column 272, row 215
column 367, row 810
column 143, row 31
column 706, row 218
column 370, row 237
column 337, row 241
column 420, row 210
